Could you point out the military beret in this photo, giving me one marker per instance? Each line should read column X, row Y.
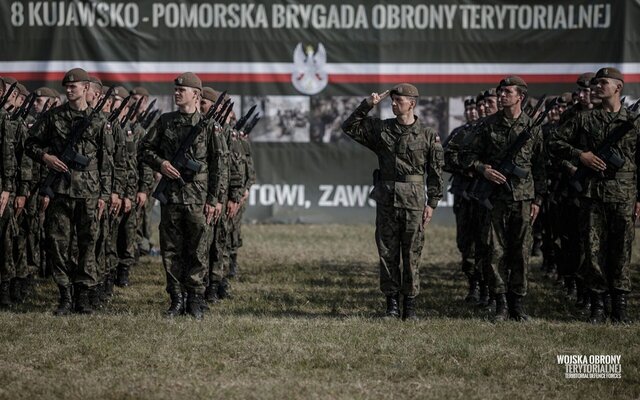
column 405, row 89
column 75, row 75
column 121, row 92
column 566, row 98
column 549, row 101
column 44, row 92
column 210, row 94
column 470, row 102
column 513, row 80
column 188, row 79
column 610, row 72
column 490, row 93
column 105, row 89
column 96, row 80
column 9, row 80
column 140, row 91
column 22, row 89
column 2, row 83
column 584, row 80
column 480, row 97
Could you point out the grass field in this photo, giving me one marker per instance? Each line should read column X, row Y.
column 304, row 323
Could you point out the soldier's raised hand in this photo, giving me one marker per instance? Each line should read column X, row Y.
column 54, row 163
column 376, row 98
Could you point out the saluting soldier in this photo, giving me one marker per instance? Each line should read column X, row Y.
column 186, row 218
column 408, row 154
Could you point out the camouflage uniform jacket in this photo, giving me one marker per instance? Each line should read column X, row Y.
column 251, row 172
column 490, row 144
column 405, row 155
column 8, row 132
column 454, row 149
column 586, row 132
column 237, row 166
column 144, row 173
column 209, row 149
column 97, row 143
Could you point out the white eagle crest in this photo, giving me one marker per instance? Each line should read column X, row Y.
column 309, row 75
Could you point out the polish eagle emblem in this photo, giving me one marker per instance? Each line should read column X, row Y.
column 309, row 75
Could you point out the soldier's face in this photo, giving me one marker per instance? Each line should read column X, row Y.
column 76, row 90
column 509, row 96
column 470, row 113
column 20, row 100
column 184, row 96
column 205, row 105
column 584, row 96
column 606, row 87
column 38, row 105
column 490, row 105
column 402, row 105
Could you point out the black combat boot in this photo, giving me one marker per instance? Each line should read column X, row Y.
column 483, row 298
column 473, row 295
column 83, row 304
column 177, row 305
column 224, row 289
column 109, row 281
column 570, row 287
column 96, row 296
column 597, row 309
column 409, row 309
column 16, row 290
column 194, row 306
column 606, row 302
column 393, row 309
column 516, row 308
column 65, row 303
column 233, row 265
column 502, row 311
column 619, row 308
column 5, row 295
column 122, row 276
column 211, row 292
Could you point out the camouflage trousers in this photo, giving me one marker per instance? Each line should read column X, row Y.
column 483, row 243
column 219, row 251
column 8, row 231
column 571, row 255
column 72, row 230
column 466, row 232
column 400, row 242
column 185, row 238
column 234, row 239
column 512, row 240
column 26, row 246
column 121, row 246
column 609, row 234
column 143, row 225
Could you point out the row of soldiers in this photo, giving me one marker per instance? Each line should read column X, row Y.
column 77, row 169
column 566, row 168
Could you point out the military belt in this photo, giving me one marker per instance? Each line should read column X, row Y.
column 406, row 178
column 621, row 175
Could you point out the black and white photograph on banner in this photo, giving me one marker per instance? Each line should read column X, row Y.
column 319, row 199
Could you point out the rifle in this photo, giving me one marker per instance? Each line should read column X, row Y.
column 635, row 106
column 242, row 121
column 5, row 98
column 45, row 108
column 131, row 113
column 146, row 112
column 251, row 124
column 24, row 109
column 606, row 153
column 225, row 106
column 507, row 167
column 68, row 155
column 150, row 118
column 116, row 113
column 187, row 167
